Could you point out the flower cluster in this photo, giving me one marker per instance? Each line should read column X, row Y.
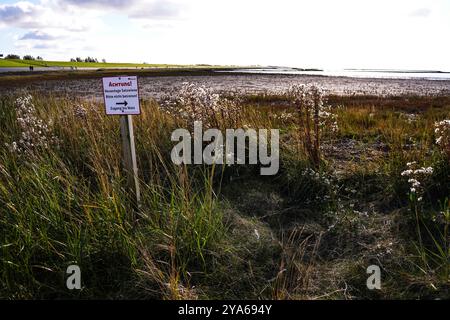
column 410, row 117
column 80, row 111
column 328, row 119
column 284, row 117
column 316, row 176
column 384, row 249
column 442, row 217
column 34, row 132
column 313, row 117
column 415, row 176
column 442, row 131
column 198, row 103
column 181, row 292
column 310, row 99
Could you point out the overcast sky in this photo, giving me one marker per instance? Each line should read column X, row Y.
column 395, row 34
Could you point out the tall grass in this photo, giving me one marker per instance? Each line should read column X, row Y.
column 65, row 201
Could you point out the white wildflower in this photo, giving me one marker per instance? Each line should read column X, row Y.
column 442, row 131
column 34, row 132
column 256, row 234
column 416, row 176
column 198, row 103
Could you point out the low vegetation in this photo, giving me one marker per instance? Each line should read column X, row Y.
column 362, row 181
column 14, row 63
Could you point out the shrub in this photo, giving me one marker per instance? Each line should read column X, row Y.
column 313, row 117
column 199, row 103
column 12, row 56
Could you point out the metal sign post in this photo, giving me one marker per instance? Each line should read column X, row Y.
column 121, row 97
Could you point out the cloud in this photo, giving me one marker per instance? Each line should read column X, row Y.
column 118, row 4
column 20, row 14
column 160, row 9
column 45, row 14
column 41, row 46
column 158, row 25
column 84, row 27
column 84, row 15
column 140, row 9
column 420, row 13
column 37, row 35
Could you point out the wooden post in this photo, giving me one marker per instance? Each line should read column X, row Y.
column 129, row 157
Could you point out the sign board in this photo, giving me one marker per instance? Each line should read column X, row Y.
column 121, row 95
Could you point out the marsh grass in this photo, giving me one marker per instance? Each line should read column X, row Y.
column 221, row 231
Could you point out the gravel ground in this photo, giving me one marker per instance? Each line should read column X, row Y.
column 251, row 83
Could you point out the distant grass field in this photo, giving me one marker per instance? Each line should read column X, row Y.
column 14, row 63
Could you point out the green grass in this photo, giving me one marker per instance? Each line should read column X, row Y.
column 222, row 232
column 10, row 63
column 13, row 63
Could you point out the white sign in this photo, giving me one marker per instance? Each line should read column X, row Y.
column 121, row 95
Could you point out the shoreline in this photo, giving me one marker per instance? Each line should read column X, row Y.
column 156, row 82
column 14, row 78
column 20, row 77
